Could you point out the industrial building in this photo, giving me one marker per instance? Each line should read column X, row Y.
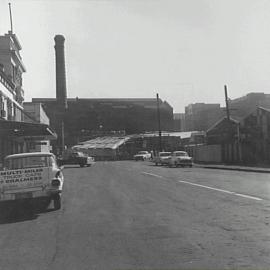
column 86, row 118
column 81, row 119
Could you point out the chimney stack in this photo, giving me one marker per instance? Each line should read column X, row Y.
column 61, row 91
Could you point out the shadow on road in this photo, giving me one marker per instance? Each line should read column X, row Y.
column 188, row 169
column 21, row 211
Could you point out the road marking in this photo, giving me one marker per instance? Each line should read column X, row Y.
column 248, row 196
column 211, row 188
column 155, row 175
column 222, row 190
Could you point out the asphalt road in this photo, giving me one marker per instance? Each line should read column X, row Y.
column 134, row 215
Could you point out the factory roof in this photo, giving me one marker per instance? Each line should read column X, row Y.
column 103, row 142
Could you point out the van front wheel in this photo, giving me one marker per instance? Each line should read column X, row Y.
column 57, row 202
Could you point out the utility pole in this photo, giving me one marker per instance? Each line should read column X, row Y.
column 227, row 102
column 159, row 129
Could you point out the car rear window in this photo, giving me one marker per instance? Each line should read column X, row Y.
column 28, row 162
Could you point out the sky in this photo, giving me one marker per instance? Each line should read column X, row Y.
column 185, row 50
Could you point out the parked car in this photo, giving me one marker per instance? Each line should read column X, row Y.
column 31, row 176
column 162, row 158
column 180, row 158
column 79, row 158
column 142, row 155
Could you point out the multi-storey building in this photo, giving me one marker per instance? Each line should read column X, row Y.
column 16, row 132
column 201, row 116
column 11, row 70
column 179, row 122
column 243, row 106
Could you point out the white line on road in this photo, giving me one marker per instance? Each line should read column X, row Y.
column 211, row 188
column 155, row 175
column 248, row 196
column 222, row 190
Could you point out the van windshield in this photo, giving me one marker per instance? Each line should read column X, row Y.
column 28, row 162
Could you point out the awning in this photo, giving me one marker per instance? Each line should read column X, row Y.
column 25, row 130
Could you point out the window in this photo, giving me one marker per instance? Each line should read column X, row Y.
column 28, row 162
column 9, row 109
column 2, row 107
column 14, row 73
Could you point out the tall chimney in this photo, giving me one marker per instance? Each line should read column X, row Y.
column 61, row 91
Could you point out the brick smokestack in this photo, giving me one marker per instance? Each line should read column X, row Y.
column 61, row 90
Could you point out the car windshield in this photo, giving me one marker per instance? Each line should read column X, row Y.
column 165, row 154
column 28, row 162
column 181, row 154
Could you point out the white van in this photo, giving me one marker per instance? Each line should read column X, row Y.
column 30, row 176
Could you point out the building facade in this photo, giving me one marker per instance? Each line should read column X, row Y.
column 11, row 70
column 255, row 137
column 84, row 118
column 179, row 122
column 247, row 104
column 201, row 116
column 243, row 140
column 34, row 113
column 16, row 132
column 11, row 93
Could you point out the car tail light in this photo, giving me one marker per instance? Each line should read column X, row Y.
column 56, row 183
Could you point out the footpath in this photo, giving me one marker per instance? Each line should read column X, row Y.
column 233, row 167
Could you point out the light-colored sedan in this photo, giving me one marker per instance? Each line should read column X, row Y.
column 142, row 155
column 180, row 158
column 162, row 158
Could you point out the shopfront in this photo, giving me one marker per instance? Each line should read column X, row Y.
column 22, row 137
